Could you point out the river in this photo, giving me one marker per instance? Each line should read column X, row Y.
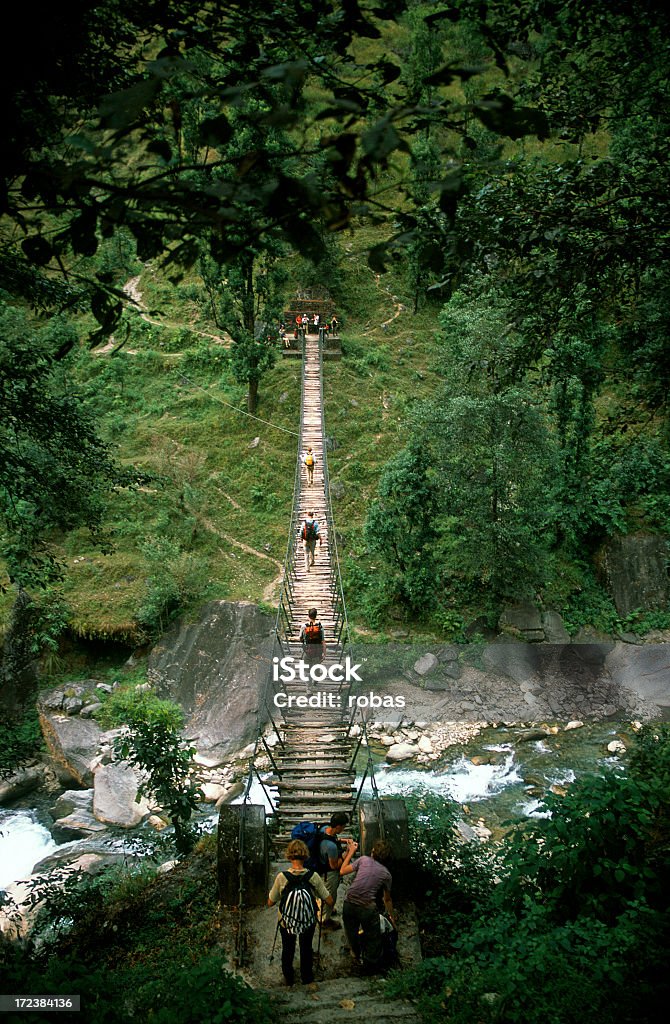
column 515, row 770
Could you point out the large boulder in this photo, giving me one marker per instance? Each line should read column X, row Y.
column 218, row 669
column 115, row 796
column 72, row 743
column 99, row 854
column 73, row 816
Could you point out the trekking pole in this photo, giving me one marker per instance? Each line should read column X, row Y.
column 318, row 945
column 272, row 951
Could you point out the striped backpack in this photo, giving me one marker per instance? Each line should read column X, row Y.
column 297, row 905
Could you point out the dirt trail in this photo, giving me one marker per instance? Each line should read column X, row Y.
column 132, row 289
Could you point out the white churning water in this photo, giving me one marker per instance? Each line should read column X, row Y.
column 463, row 781
column 23, row 842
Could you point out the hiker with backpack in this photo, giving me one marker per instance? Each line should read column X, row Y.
column 363, row 902
column 309, row 535
column 331, row 860
column 325, row 857
column 312, row 639
column 309, row 461
column 295, row 891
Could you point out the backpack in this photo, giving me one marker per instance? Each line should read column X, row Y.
column 309, row 460
column 310, row 530
column 389, row 935
column 298, row 903
column 313, row 633
column 312, row 836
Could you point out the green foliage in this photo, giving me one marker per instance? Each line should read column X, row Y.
column 50, row 620
column 128, row 704
column 572, row 910
column 134, row 945
column 55, row 472
column 173, row 579
column 400, row 527
column 154, row 746
column 19, row 739
column 189, row 987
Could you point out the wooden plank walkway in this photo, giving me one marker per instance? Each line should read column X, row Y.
column 314, row 770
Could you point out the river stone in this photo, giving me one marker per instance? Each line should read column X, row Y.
column 216, row 668
column 90, row 710
column 574, row 725
column 519, row 661
column 114, row 792
column 71, row 801
column 72, row 705
column 105, row 851
column 214, row 761
column 426, row 745
column 72, row 743
column 77, row 825
column 401, row 752
column 212, row 792
column 616, row 747
column 425, row 664
column 231, row 794
column 18, row 784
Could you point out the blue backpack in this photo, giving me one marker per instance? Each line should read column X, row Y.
column 312, row 836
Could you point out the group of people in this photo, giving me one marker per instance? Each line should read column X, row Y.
column 311, row 324
column 367, row 903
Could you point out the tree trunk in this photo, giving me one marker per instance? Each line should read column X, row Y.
column 252, row 396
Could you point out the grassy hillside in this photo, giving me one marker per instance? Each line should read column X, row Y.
column 210, row 518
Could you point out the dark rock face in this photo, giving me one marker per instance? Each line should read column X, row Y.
column 217, row 668
column 635, row 571
column 17, row 785
column 646, row 670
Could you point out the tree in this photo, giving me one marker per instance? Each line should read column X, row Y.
column 401, row 525
column 55, row 476
column 154, row 745
column 54, row 470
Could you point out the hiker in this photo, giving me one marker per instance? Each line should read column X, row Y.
column 309, row 535
column 305, row 323
column 309, row 460
column 332, row 859
column 334, row 324
column 296, row 890
column 312, row 639
column 362, row 903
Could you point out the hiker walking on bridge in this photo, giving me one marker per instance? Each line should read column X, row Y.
column 309, row 460
column 309, row 534
column 312, row 639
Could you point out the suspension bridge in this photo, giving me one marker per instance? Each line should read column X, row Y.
column 316, row 727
